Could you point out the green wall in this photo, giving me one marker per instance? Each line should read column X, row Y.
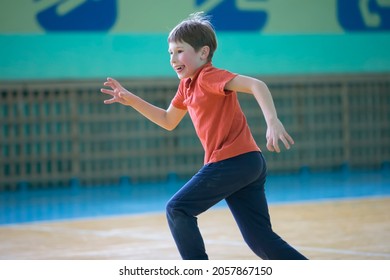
column 82, row 56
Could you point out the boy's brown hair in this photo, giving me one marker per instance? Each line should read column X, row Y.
column 196, row 31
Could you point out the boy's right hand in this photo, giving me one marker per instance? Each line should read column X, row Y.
column 118, row 93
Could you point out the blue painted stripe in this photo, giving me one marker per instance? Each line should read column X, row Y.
column 67, row 203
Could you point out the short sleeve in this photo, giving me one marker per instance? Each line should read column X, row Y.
column 214, row 80
column 178, row 99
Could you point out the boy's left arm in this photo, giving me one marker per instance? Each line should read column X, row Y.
column 275, row 129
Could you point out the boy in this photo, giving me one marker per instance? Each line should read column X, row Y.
column 234, row 168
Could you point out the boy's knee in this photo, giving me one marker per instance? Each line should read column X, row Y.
column 171, row 208
column 174, row 209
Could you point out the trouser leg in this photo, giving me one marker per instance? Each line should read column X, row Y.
column 239, row 180
column 250, row 210
column 210, row 185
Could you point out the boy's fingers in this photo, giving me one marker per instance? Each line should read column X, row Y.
column 107, row 91
column 109, row 101
column 270, row 145
column 270, row 148
column 114, row 83
column 276, row 146
column 289, row 138
column 285, row 142
column 273, row 144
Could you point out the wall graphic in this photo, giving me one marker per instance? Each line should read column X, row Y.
column 236, row 15
column 76, row 15
column 138, row 16
column 364, row 15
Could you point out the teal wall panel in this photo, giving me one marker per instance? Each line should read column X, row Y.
column 83, row 56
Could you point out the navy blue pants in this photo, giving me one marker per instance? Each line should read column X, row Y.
column 240, row 181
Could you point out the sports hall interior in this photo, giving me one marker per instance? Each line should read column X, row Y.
column 83, row 180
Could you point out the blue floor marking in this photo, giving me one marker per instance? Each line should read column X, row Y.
column 74, row 203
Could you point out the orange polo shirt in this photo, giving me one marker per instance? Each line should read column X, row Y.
column 216, row 114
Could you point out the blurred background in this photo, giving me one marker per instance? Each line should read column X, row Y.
column 64, row 154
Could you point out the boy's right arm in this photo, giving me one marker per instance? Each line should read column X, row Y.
column 167, row 119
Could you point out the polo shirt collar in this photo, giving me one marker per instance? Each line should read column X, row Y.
column 188, row 81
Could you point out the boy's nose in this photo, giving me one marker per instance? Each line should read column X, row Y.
column 173, row 58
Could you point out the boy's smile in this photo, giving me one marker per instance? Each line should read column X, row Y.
column 185, row 60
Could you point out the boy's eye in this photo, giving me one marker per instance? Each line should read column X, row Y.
column 177, row 51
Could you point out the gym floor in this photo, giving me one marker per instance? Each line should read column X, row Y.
column 326, row 216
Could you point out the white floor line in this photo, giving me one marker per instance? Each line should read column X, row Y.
column 345, row 252
column 315, row 249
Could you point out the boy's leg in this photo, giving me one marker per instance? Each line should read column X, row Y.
column 210, row 185
column 250, row 210
column 181, row 211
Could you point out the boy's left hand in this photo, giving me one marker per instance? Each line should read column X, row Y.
column 276, row 132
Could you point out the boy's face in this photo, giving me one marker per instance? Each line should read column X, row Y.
column 185, row 60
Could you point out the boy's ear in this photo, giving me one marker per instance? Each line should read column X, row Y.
column 205, row 52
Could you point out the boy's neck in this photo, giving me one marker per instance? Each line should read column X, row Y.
column 199, row 69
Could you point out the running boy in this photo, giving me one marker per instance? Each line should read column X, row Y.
column 234, row 168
